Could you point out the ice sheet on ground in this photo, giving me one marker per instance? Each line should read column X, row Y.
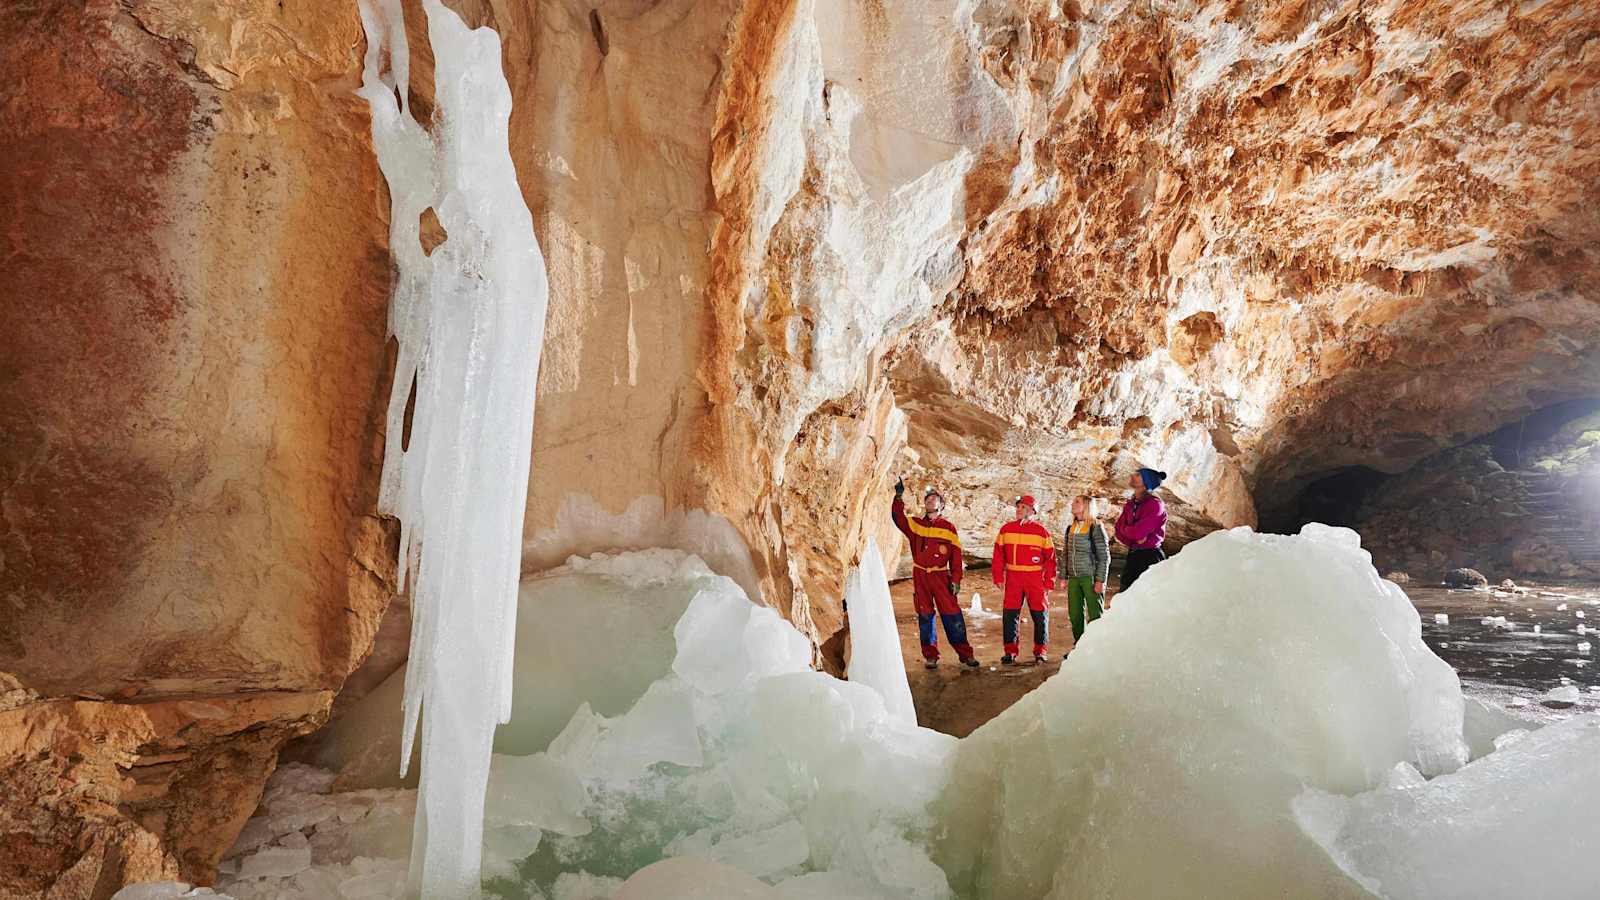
column 468, row 317
column 875, row 658
column 1123, row 778
column 1507, row 825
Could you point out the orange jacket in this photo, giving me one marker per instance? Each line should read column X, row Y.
column 935, row 546
column 1025, row 549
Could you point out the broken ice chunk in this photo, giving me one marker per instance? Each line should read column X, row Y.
column 1502, row 741
column 275, row 862
column 759, row 853
column 689, row 878
column 1583, row 646
column 162, row 890
column 1441, row 618
column 1580, row 614
column 1537, row 629
column 1562, row 607
column 584, row 886
column 1405, row 775
column 1561, row 697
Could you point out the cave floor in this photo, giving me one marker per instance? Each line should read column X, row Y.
column 954, row 699
column 1511, row 669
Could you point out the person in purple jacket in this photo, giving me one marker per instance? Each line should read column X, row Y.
column 1142, row 526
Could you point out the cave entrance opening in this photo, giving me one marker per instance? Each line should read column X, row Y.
column 1522, row 501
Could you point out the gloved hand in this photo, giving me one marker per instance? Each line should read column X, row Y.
column 955, row 589
column 899, row 488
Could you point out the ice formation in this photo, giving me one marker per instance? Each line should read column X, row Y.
column 875, row 658
column 1561, row 697
column 166, row 890
column 1287, row 753
column 1157, row 759
column 1508, row 825
column 469, row 320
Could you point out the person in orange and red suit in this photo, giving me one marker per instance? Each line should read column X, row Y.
column 936, row 575
column 1025, row 565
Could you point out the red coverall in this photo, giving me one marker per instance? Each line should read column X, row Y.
column 935, row 578
column 1025, row 565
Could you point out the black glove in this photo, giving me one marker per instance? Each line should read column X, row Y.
column 899, row 488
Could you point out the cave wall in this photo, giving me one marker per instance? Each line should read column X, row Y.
column 193, row 357
column 796, row 247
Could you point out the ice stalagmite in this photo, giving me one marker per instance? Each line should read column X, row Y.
column 875, row 659
column 469, row 319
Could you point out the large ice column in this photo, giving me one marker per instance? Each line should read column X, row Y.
column 469, row 318
column 875, row 659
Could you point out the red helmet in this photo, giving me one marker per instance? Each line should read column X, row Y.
column 1028, row 499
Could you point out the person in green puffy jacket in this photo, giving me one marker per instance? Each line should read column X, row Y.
column 1085, row 564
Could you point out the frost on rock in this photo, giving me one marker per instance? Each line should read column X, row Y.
column 469, row 321
column 1156, row 762
column 1508, row 825
column 875, row 657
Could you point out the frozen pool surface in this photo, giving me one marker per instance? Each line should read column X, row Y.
column 1514, row 667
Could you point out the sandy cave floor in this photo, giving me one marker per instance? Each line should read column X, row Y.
column 1509, row 668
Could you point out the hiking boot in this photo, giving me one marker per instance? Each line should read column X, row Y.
column 1040, row 659
column 1008, row 660
column 930, row 664
column 970, row 662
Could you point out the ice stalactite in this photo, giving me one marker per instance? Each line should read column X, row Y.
column 469, row 319
column 875, row 659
